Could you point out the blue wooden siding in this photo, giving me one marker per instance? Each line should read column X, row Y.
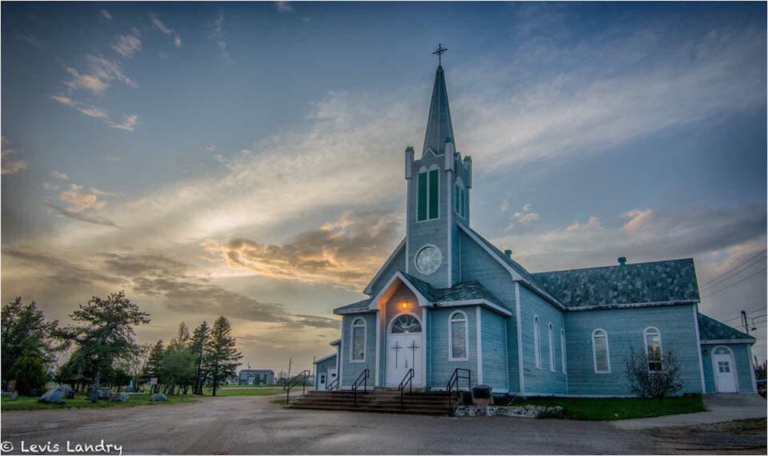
column 541, row 380
column 478, row 265
column 742, row 358
column 440, row 367
column 322, row 367
column 349, row 370
column 397, row 264
column 494, row 349
column 625, row 329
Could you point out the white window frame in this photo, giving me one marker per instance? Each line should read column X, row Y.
column 536, row 341
column 551, row 335
column 661, row 345
column 352, row 327
column 607, row 351
column 450, row 336
column 562, row 352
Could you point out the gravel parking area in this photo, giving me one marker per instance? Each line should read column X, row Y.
column 252, row 425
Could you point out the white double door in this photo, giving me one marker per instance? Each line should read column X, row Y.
column 725, row 374
column 405, row 352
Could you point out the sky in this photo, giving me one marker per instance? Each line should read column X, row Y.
column 245, row 159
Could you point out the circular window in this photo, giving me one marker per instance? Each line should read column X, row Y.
column 428, row 259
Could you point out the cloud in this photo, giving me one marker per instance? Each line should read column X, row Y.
column 523, row 217
column 344, row 253
column 32, row 40
column 638, row 219
column 49, row 186
column 218, row 35
column 127, row 45
column 211, row 148
column 80, row 201
column 62, row 272
column 10, row 166
column 105, row 14
column 593, row 224
column 77, row 216
column 283, row 6
column 157, row 24
column 59, row 175
column 101, row 71
column 129, row 123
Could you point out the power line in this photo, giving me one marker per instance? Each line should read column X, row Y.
column 721, row 278
column 748, row 313
column 733, row 284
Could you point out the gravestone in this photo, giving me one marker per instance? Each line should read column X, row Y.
column 54, row 396
column 69, row 393
column 11, row 386
column 11, row 396
column 103, row 393
column 119, row 397
column 158, row 397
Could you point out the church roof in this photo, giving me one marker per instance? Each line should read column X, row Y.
column 660, row 282
column 711, row 329
column 355, row 307
column 439, row 126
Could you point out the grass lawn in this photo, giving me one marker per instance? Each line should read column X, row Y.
column 81, row 401
column 278, row 402
column 620, row 408
column 227, row 392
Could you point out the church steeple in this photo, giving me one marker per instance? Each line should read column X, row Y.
column 439, row 126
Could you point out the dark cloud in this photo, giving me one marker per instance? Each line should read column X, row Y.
column 81, row 217
column 58, row 270
column 346, row 252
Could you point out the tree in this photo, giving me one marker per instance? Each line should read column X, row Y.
column 221, row 358
column 657, row 375
column 197, row 348
column 177, row 369
column 29, row 340
column 105, row 333
column 154, row 364
column 182, row 337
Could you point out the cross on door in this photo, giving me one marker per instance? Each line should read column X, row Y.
column 413, row 348
column 397, row 349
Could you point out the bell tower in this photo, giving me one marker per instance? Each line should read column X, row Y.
column 439, row 184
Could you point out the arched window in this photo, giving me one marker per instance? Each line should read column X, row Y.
column 653, row 348
column 536, row 341
column 551, row 336
column 457, row 337
column 562, row 351
column 600, row 354
column 406, row 324
column 429, row 194
column 358, row 341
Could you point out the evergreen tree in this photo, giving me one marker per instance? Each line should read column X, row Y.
column 154, row 364
column 177, row 369
column 182, row 337
column 221, row 359
column 197, row 348
column 29, row 340
column 105, row 333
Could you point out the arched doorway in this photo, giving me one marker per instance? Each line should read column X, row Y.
column 724, row 369
column 405, row 345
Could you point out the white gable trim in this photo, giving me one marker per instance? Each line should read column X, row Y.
column 386, row 265
column 726, row 341
column 633, row 305
column 698, row 345
column 379, row 315
column 751, row 369
column 389, row 290
column 324, row 358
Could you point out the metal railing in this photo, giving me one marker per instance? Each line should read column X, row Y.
column 362, row 379
column 333, row 385
column 454, row 381
column 407, row 381
column 300, row 378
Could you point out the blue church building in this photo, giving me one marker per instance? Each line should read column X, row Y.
column 447, row 298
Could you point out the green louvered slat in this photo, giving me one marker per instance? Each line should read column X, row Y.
column 434, row 193
column 422, row 210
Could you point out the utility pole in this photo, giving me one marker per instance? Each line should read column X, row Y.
column 745, row 322
column 289, row 368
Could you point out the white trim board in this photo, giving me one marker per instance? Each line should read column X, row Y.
column 479, row 335
column 324, row 358
column 726, row 341
column 698, row 347
column 519, row 337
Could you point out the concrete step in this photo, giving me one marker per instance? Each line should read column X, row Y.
column 441, row 411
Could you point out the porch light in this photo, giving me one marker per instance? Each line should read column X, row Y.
column 404, row 304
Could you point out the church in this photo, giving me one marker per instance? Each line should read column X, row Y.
column 448, row 299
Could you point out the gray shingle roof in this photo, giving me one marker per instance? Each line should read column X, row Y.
column 656, row 282
column 711, row 329
column 439, row 126
column 355, row 307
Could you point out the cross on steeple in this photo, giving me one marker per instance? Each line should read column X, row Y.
column 439, row 53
